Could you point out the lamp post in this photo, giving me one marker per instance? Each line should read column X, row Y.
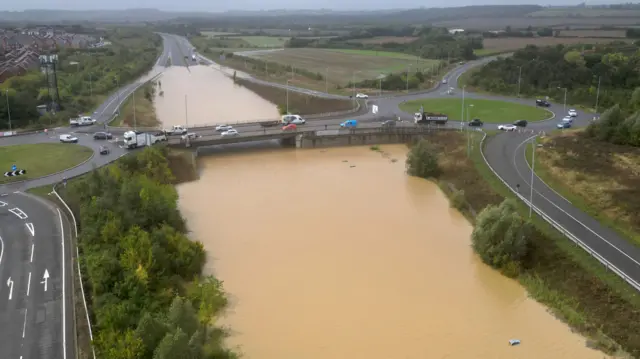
column 468, row 135
column 135, row 123
column 565, row 99
column 353, row 82
column 462, row 107
column 408, row 68
column 287, row 97
column 8, row 110
column 533, row 165
column 326, row 81
column 519, row 80
column 598, row 95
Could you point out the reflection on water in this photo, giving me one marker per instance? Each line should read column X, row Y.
column 211, row 98
column 338, row 254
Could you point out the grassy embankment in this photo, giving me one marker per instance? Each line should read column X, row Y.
column 577, row 288
column 488, row 111
column 41, row 159
column 145, row 112
column 599, row 178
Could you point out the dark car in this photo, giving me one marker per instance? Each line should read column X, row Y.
column 104, row 150
column 542, row 103
column 476, row 122
column 520, row 123
column 389, row 124
column 102, row 136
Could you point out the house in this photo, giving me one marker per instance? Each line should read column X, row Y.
column 17, row 62
column 456, row 31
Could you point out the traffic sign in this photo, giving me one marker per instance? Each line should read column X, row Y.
column 15, row 173
column 14, row 167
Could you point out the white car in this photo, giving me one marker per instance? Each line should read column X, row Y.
column 68, row 139
column 573, row 113
column 229, row 133
column 567, row 119
column 507, row 127
column 361, row 95
column 221, row 128
column 444, row 81
column 293, row 119
column 190, row 135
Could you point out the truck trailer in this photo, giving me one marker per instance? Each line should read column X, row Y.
column 135, row 139
column 426, row 118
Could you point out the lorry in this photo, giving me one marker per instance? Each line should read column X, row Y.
column 427, row 118
column 176, row 130
column 135, row 139
column 82, row 121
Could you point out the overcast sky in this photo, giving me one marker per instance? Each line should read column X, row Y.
column 224, row 5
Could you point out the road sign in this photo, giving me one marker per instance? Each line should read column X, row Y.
column 15, row 173
column 14, row 168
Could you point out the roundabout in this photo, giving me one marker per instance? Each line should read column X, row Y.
column 41, row 159
column 489, row 111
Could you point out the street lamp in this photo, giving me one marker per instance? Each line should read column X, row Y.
column 8, row 110
column 565, row 98
column 533, row 165
column 287, row 97
column 353, row 81
column 519, row 79
column 462, row 106
column 408, row 68
column 598, row 95
column 468, row 135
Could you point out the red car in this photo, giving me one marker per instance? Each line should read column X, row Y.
column 290, row 127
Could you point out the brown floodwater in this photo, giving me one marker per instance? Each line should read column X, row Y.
column 338, row 254
column 211, row 98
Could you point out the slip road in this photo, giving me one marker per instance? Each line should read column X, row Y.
column 35, row 296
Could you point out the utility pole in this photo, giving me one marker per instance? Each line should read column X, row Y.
column 533, row 165
column 287, row 97
column 408, row 67
column 462, row 115
column 598, row 95
column 135, row 124
column 186, row 114
column 8, row 110
column 519, row 80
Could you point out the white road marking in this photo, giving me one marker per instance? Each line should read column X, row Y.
column 1, row 249
column 10, row 285
column 64, row 293
column 32, row 250
column 29, row 284
column 570, row 216
column 30, row 228
column 2, row 204
column 24, row 325
column 18, row 212
column 46, row 279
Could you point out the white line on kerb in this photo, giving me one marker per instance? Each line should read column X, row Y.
column 29, row 284
column 1, row 248
column 24, row 324
column 64, row 294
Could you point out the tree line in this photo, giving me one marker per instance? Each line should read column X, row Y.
column 143, row 278
column 83, row 75
column 548, row 71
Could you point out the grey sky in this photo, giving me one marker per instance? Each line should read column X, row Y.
column 225, row 5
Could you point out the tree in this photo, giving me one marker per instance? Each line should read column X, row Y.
column 150, row 331
column 181, row 315
column 173, row 345
column 119, row 345
column 501, row 236
column 422, row 160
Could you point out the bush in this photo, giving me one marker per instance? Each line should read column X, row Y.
column 422, row 160
column 501, row 237
column 457, row 200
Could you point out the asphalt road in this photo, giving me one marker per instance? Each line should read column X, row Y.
column 34, row 306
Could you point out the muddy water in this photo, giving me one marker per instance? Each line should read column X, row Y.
column 211, row 98
column 338, row 254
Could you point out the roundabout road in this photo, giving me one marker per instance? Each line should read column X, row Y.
column 500, row 150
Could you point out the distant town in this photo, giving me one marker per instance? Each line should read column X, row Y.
column 20, row 48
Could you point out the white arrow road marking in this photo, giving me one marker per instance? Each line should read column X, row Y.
column 30, row 228
column 46, row 278
column 29, row 284
column 18, row 212
column 10, row 285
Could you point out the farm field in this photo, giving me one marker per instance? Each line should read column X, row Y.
column 265, row 41
column 585, row 12
column 386, row 40
column 499, row 23
column 217, row 33
column 595, row 33
column 511, row 43
column 340, row 66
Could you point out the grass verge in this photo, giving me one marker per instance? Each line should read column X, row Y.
column 143, row 114
column 599, row 178
column 575, row 287
column 41, row 159
column 298, row 103
column 489, row 111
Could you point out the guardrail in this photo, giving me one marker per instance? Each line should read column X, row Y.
column 561, row 229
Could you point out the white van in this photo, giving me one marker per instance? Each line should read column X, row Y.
column 293, row 119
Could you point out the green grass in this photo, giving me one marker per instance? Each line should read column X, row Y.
column 217, row 33
column 41, row 159
column 265, row 41
column 397, row 55
column 488, row 111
